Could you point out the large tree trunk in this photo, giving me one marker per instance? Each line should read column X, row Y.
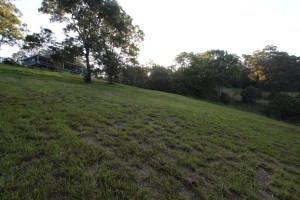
column 87, row 76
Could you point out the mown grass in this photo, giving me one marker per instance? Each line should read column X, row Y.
column 62, row 139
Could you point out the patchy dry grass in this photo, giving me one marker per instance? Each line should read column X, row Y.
column 62, row 139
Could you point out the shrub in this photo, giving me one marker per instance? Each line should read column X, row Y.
column 9, row 61
column 250, row 94
column 284, row 107
column 225, row 98
column 210, row 94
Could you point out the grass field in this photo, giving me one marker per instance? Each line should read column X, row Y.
column 62, row 139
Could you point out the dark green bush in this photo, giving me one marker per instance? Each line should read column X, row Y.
column 210, row 94
column 250, row 94
column 284, row 107
column 9, row 61
column 225, row 98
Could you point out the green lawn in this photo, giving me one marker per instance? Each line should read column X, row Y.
column 62, row 139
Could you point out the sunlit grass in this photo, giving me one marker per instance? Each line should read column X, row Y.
column 61, row 138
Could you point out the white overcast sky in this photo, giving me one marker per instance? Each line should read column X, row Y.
column 174, row 26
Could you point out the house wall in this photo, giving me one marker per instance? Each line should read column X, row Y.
column 44, row 62
column 31, row 61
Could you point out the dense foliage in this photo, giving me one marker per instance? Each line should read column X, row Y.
column 225, row 98
column 11, row 28
column 9, row 61
column 275, row 70
column 250, row 94
column 284, row 107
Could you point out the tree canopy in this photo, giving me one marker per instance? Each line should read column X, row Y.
column 11, row 29
column 36, row 42
column 208, row 72
column 219, row 67
column 274, row 70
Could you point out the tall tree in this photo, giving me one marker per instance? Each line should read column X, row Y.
column 275, row 70
column 11, row 27
column 188, row 78
column 207, row 73
column 118, row 46
column 95, row 23
column 219, row 67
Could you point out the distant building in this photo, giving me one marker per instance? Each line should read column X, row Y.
column 39, row 61
column 46, row 63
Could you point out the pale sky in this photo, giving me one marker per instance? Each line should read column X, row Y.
column 174, row 26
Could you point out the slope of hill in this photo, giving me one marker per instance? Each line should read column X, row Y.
column 62, row 139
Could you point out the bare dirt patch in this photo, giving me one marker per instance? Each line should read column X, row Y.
column 142, row 175
column 90, row 140
column 193, row 179
column 264, row 178
column 54, row 180
column 93, row 168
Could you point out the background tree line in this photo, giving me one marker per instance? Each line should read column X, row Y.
column 206, row 74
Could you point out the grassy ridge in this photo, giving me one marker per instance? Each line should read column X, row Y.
column 61, row 138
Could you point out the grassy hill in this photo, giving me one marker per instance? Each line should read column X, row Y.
column 62, row 139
